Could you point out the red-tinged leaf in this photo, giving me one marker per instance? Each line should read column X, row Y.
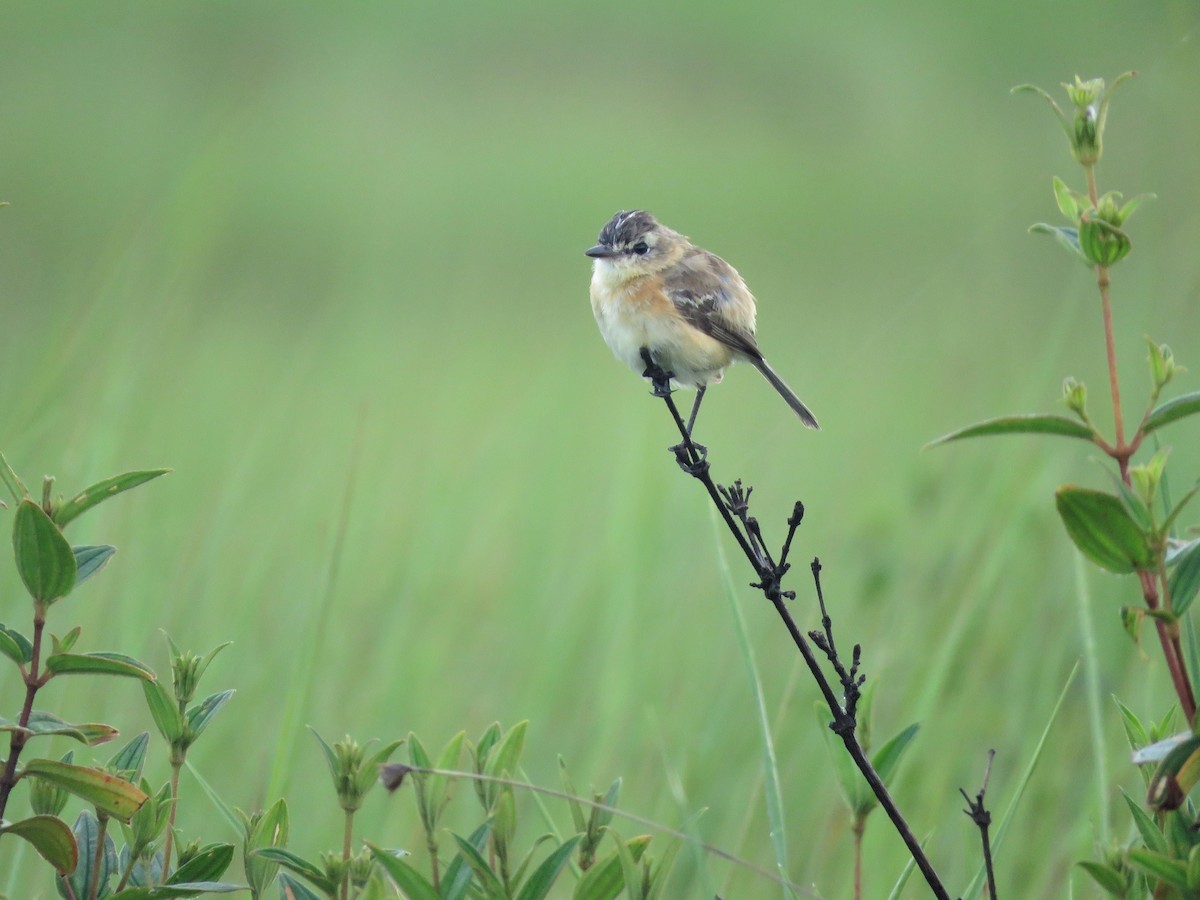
column 101, row 491
column 45, row 561
column 51, row 837
column 109, row 794
column 1103, row 530
column 43, row 723
column 1034, row 424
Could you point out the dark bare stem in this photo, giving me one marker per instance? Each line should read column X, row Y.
column 733, row 507
column 979, row 814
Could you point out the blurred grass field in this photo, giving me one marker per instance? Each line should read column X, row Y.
column 328, row 261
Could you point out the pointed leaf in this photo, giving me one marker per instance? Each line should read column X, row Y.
column 101, row 491
column 1033, row 424
column 1172, row 871
column 662, row 871
column 1184, row 580
column 52, row 839
column 415, row 885
column 164, row 710
column 301, row 866
column 1068, row 238
column 1065, row 198
column 577, row 816
column 1135, row 731
column 201, row 714
column 503, row 759
column 1102, row 529
column 107, row 793
column 298, row 890
column 491, row 882
column 99, row 663
column 132, row 756
column 90, row 560
column 887, row 758
column 88, row 840
column 206, row 866
column 1105, row 876
column 41, row 723
column 45, row 560
column 368, row 775
column 458, row 878
column 1172, row 410
column 15, row 646
column 544, row 876
column 1152, row 835
column 604, row 880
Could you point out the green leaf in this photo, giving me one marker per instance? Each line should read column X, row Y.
column 448, row 761
column 1184, row 579
column 44, row 723
column 491, row 883
column 887, row 758
column 45, row 560
column 662, row 871
column 206, row 866
column 301, row 866
column 90, row 560
column 1163, row 868
column 51, row 837
column 297, row 890
column 415, row 885
column 544, row 876
column 1066, row 237
column 1135, row 731
column 1105, row 876
column 577, row 816
column 101, row 491
column 1171, row 411
column 271, row 830
column 1103, row 530
column 164, row 710
column 131, row 757
column 202, row 713
column 1034, row 424
column 88, row 840
column 1152, row 835
column 368, row 775
column 109, row 794
column 15, row 646
column 631, row 872
column 502, row 760
column 1065, row 198
column 99, row 663
column 458, row 877
column 604, row 880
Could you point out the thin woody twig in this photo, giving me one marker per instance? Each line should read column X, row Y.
column 733, row 504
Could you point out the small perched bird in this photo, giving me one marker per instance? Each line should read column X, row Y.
column 662, row 301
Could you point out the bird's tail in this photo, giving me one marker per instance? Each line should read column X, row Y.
column 786, row 393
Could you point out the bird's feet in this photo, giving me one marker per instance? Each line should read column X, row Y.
column 660, row 378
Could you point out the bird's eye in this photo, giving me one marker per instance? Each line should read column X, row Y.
column 640, row 248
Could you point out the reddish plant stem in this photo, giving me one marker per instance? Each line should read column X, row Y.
column 1168, row 633
column 33, row 682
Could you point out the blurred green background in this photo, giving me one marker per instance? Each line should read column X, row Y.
column 326, row 262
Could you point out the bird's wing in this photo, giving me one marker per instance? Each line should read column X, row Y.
column 711, row 296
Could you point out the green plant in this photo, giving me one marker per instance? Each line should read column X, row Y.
column 1133, row 527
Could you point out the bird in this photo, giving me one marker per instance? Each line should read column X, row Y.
column 674, row 312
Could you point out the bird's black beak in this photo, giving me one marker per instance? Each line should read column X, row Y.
column 600, row 252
